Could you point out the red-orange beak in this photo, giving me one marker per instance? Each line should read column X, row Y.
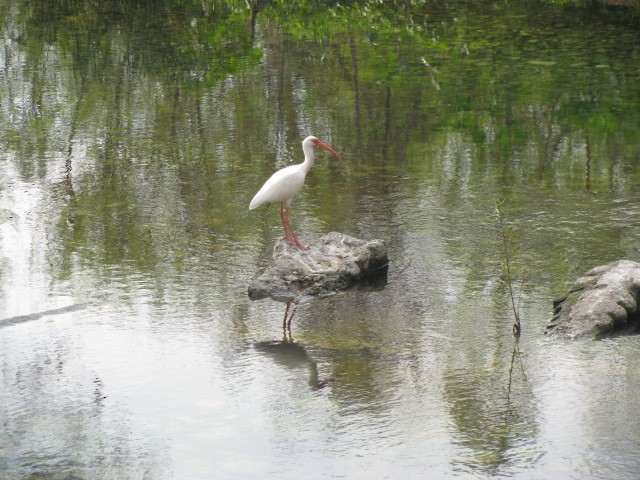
column 326, row 147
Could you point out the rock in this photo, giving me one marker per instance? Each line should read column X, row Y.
column 333, row 262
column 603, row 302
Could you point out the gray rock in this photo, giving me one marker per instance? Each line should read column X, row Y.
column 603, row 302
column 333, row 262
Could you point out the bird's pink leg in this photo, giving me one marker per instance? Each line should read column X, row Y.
column 285, row 223
column 293, row 238
column 289, row 234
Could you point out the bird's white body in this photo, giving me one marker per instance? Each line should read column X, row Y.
column 283, row 185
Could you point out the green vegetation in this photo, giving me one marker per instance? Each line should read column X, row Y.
column 588, row 3
column 445, row 95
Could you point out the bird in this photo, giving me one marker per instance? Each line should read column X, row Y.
column 283, row 185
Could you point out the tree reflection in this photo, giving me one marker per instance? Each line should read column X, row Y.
column 58, row 419
column 185, row 96
column 494, row 416
column 146, row 126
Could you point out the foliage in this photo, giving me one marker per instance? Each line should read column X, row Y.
column 191, row 40
column 448, row 95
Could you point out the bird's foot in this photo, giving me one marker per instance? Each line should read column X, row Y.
column 295, row 241
column 302, row 246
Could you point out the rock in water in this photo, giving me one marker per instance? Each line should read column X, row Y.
column 332, row 263
column 603, row 302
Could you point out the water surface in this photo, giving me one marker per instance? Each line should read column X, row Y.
column 132, row 139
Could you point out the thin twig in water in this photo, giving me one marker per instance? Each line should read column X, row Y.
column 506, row 240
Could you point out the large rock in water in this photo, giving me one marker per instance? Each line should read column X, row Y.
column 332, row 263
column 603, row 302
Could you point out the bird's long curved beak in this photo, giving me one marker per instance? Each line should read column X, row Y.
column 326, row 147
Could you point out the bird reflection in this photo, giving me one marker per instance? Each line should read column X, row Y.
column 286, row 323
column 289, row 354
column 292, row 355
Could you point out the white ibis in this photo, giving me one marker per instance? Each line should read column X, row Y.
column 283, row 185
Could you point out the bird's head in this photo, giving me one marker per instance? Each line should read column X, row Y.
column 313, row 141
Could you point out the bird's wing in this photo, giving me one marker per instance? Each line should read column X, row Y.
column 281, row 186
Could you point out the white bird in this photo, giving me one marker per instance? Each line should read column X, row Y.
column 283, row 185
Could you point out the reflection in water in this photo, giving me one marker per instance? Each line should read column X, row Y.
column 54, row 405
column 291, row 355
column 132, row 135
column 4, row 322
column 374, row 282
column 516, row 358
column 286, row 323
column 495, row 419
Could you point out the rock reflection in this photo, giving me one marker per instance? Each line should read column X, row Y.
column 375, row 282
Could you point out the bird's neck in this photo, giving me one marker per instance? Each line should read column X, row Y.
column 308, row 158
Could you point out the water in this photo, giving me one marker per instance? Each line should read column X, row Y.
column 133, row 138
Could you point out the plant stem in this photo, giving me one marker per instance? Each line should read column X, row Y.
column 517, row 329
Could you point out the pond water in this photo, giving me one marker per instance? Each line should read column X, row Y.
column 133, row 137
